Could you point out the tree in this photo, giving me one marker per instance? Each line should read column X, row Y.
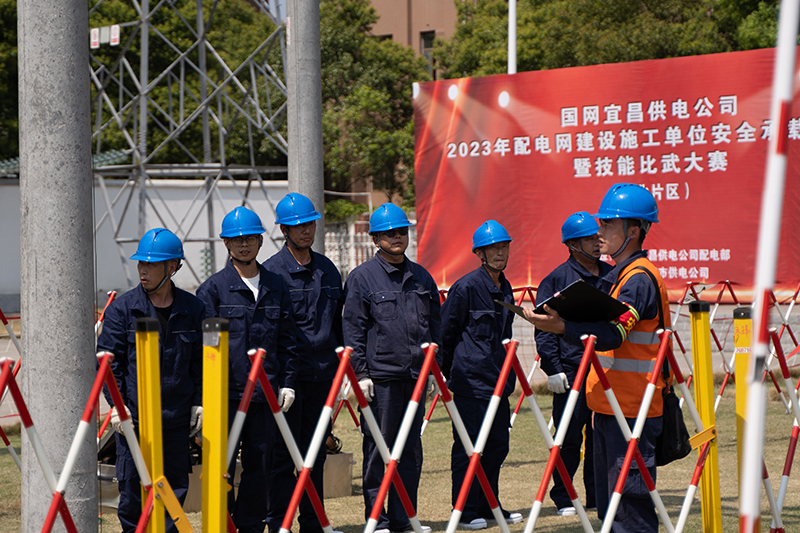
column 367, row 118
column 567, row 33
column 9, row 87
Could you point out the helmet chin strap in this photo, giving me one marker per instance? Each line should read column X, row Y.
column 163, row 281
column 582, row 251
column 487, row 265
column 627, row 239
column 384, row 250
column 295, row 246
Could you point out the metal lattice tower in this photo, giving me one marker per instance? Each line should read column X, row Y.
column 167, row 86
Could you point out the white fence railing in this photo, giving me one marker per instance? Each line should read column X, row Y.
column 348, row 245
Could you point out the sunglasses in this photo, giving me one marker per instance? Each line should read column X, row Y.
column 392, row 232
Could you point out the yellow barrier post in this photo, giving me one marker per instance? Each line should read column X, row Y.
column 148, row 372
column 704, row 399
column 742, row 334
column 215, row 423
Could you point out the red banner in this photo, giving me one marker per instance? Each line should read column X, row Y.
column 529, row 149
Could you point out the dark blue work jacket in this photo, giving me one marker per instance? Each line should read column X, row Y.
column 317, row 301
column 180, row 352
column 388, row 314
column 473, row 330
column 555, row 353
column 638, row 291
column 267, row 323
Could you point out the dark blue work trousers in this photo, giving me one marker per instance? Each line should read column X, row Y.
column 636, row 512
column 389, row 407
column 472, row 413
column 176, row 470
column 249, row 508
column 302, row 418
column 571, row 449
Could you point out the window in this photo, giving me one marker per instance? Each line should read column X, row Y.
column 426, row 49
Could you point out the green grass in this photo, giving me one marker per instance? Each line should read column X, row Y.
column 519, row 478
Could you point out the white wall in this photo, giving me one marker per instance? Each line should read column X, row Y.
column 178, row 207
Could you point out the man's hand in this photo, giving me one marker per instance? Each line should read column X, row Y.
column 116, row 423
column 550, row 322
column 367, row 388
column 433, row 386
column 195, row 420
column 558, row 383
column 285, row 398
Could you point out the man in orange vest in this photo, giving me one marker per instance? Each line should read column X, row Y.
column 627, row 349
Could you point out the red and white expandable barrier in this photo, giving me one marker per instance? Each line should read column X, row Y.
column 10, row 449
column 344, row 401
column 480, row 444
column 391, row 475
column 304, row 483
column 7, row 380
column 554, row 445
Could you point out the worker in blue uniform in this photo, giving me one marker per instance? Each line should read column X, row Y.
column 627, row 350
column 560, row 359
column 391, row 309
column 315, row 287
column 474, row 327
column 257, row 304
column 180, row 316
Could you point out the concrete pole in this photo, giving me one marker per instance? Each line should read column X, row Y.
column 304, row 89
column 57, row 251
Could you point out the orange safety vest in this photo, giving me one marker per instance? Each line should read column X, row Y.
column 629, row 367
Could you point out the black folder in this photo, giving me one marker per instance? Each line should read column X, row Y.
column 579, row 302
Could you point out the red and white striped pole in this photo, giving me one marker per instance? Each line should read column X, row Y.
column 391, row 474
column 111, row 296
column 10, row 449
column 528, row 379
column 7, row 380
column 633, row 452
column 787, row 469
column 555, row 461
column 11, row 333
column 84, row 427
column 483, row 437
column 428, row 416
column 692, row 490
column 256, row 359
column 304, row 483
column 461, row 431
column 766, row 264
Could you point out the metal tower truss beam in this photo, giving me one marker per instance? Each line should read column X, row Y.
column 166, row 88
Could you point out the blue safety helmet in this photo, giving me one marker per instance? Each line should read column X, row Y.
column 577, row 225
column 387, row 216
column 241, row 221
column 158, row 245
column 488, row 233
column 628, row 200
column 295, row 209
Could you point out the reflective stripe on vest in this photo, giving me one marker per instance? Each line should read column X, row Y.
column 643, row 337
column 626, row 365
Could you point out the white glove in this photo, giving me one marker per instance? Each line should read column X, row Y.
column 116, row 423
column 367, row 388
column 558, row 383
column 285, row 398
column 433, row 386
column 196, row 420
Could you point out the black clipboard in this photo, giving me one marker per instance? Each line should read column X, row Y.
column 580, row 302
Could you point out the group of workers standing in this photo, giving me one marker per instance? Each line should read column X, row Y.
column 295, row 307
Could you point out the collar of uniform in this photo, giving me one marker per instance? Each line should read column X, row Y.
column 291, row 264
column 614, row 273
column 142, row 303
column 389, row 267
column 234, row 280
column 578, row 267
column 489, row 282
